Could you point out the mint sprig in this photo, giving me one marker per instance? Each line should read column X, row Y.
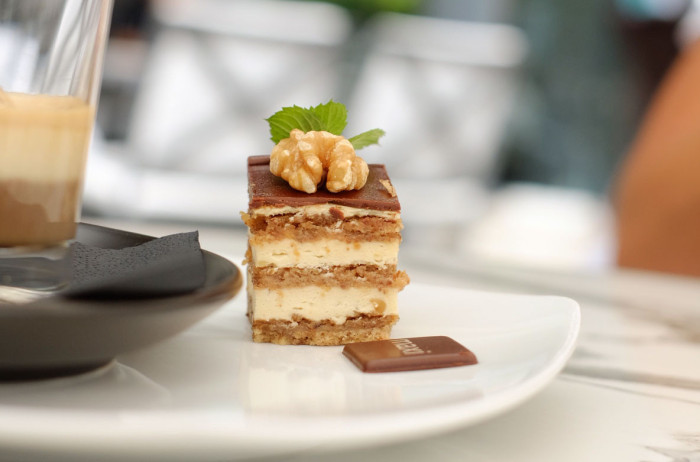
column 330, row 117
column 367, row 138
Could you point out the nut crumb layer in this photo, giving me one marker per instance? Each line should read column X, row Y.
column 326, row 333
column 302, row 228
column 336, row 276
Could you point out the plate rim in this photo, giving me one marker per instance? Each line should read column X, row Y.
column 217, row 439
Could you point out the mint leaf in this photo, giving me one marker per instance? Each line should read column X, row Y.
column 333, row 116
column 330, row 117
column 367, row 138
column 284, row 121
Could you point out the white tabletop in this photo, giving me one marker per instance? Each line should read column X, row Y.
column 631, row 391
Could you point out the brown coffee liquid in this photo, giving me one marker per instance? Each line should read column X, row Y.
column 37, row 213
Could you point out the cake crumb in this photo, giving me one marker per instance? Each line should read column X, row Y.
column 248, row 257
column 336, row 213
column 389, row 187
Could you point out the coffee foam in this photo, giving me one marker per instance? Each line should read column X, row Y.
column 43, row 137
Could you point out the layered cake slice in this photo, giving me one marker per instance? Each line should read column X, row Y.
column 322, row 266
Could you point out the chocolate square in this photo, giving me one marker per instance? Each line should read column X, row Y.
column 408, row 354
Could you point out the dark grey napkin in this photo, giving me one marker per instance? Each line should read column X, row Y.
column 170, row 265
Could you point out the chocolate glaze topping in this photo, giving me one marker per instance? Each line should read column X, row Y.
column 266, row 189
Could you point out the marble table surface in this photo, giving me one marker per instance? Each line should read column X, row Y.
column 630, row 392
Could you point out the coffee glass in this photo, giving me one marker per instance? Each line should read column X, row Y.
column 51, row 54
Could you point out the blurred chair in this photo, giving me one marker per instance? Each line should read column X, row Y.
column 219, row 67
column 443, row 90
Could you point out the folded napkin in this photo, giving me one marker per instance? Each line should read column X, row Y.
column 170, row 265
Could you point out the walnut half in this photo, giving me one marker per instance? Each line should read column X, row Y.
column 305, row 159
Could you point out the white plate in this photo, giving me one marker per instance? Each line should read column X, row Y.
column 212, row 393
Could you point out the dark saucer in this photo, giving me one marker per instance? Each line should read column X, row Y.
column 58, row 336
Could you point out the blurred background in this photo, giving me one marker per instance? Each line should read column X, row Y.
column 506, row 119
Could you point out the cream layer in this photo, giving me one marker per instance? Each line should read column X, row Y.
column 324, row 209
column 318, row 304
column 285, row 253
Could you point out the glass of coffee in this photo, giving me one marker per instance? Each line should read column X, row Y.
column 50, row 72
